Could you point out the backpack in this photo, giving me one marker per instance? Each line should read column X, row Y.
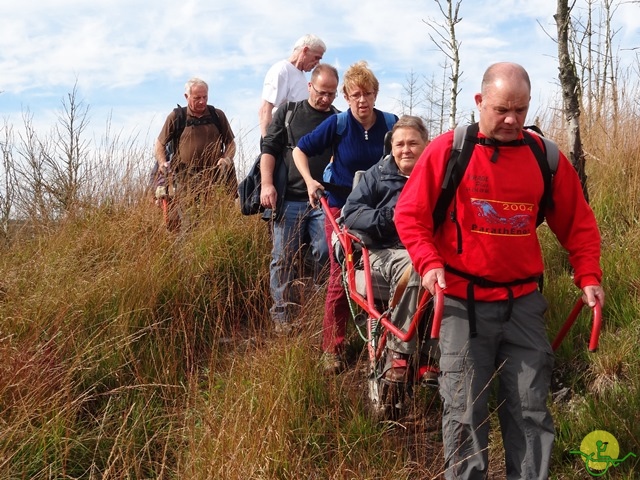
column 157, row 178
column 181, row 123
column 390, row 120
column 249, row 187
column 465, row 138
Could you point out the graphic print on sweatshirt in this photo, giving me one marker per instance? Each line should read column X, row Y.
column 494, row 217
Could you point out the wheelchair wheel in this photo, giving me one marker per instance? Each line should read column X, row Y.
column 387, row 400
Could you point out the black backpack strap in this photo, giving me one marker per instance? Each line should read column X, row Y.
column 464, row 141
column 216, row 121
column 179, row 124
column 216, row 118
column 547, row 167
column 475, row 281
column 292, row 108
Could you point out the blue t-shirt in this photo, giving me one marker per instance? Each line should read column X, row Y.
column 356, row 150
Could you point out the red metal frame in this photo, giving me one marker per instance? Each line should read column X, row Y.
column 595, row 329
column 367, row 302
column 347, row 242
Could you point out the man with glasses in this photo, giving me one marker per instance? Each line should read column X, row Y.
column 285, row 81
column 297, row 223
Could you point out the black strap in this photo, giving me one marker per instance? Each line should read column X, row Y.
column 182, row 122
column 541, row 157
column 485, row 283
column 292, row 108
column 456, row 167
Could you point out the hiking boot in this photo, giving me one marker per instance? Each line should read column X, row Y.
column 396, row 367
column 428, row 375
column 331, row 363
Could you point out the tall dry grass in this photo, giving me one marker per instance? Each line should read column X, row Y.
column 604, row 387
column 130, row 352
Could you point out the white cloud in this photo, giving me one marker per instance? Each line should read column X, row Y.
column 132, row 57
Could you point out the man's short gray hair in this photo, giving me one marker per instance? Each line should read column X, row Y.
column 192, row 82
column 312, row 41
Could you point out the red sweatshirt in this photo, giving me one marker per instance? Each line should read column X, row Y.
column 497, row 205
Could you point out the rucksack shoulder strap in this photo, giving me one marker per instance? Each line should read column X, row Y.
column 390, row 119
column 547, row 156
column 341, row 126
column 216, row 118
column 292, row 108
column 178, row 126
column 342, row 122
column 181, row 117
column 465, row 138
column 458, row 136
column 553, row 154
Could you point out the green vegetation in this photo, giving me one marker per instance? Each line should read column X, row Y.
column 130, row 352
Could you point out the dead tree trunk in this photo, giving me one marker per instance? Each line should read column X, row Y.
column 445, row 40
column 570, row 84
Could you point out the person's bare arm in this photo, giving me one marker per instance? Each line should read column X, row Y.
column 302, row 163
column 159, row 153
column 268, row 193
column 229, row 153
column 265, row 115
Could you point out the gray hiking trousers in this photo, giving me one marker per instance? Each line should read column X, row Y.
column 391, row 263
column 517, row 352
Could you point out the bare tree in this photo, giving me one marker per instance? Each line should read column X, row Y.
column 591, row 44
column 7, row 192
column 610, row 70
column 411, row 99
column 444, row 37
column 437, row 99
column 570, row 85
column 65, row 161
column 32, row 198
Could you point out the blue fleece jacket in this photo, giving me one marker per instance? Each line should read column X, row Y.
column 355, row 149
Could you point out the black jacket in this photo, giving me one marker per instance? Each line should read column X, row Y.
column 277, row 143
column 371, row 204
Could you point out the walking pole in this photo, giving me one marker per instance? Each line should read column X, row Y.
column 169, row 192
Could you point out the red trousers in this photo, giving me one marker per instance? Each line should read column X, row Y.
column 336, row 305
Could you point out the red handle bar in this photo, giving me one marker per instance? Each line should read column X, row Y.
column 438, row 307
column 595, row 329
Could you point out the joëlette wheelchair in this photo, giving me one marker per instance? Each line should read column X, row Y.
column 371, row 307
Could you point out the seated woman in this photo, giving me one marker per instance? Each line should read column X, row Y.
column 369, row 209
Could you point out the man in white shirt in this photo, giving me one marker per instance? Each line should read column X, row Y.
column 286, row 82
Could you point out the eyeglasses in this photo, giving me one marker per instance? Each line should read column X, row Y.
column 357, row 96
column 324, row 94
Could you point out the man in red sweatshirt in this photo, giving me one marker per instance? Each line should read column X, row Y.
column 487, row 258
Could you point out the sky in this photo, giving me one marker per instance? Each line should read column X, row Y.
column 129, row 59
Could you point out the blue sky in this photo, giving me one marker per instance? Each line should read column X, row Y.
column 130, row 58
